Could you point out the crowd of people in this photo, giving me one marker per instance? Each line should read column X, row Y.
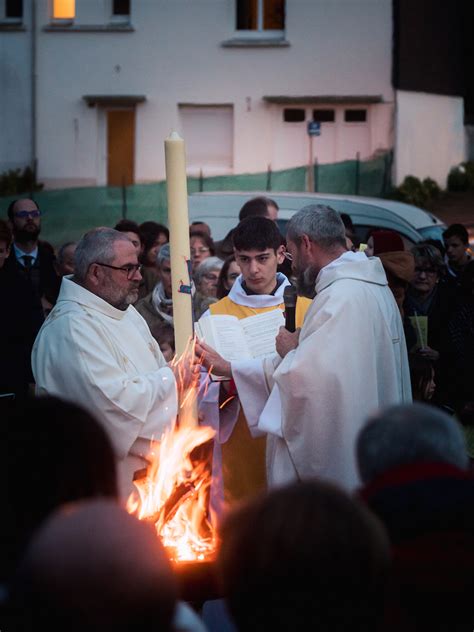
column 343, row 484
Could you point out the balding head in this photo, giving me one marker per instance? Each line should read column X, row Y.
column 92, row 566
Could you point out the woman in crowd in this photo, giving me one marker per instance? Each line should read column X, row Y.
column 202, row 247
column 205, row 279
column 153, row 236
column 229, row 272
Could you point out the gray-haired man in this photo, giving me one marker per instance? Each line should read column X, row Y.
column 95, row 349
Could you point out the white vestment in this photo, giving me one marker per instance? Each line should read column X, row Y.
column 350, row 361
column 107, row 361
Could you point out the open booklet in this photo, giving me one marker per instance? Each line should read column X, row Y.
column 234, row 339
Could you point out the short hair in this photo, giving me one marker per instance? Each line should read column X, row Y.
column 256, row 233
column 11, row 206
column 431, row 255
column 93, row 566
column 5, row 233
column 303, row 557
column 62, row 250
column 164, row 254
column 322, row 224
column 256, row 207
column 96, row 246
column 128, row 226
column 206, row 266
column 406, row 434
column 83, row 466
column 457, row 230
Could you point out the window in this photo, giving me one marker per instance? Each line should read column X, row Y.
column 355, row 116
column 13, row 9
column 260, row 15
column 324, row 116
column 64, row 9
column 121, row 7
column 209, row 134
column 294, row 115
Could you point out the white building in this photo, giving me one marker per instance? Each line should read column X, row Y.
column 91, row 88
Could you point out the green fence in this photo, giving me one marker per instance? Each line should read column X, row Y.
column 68, row 213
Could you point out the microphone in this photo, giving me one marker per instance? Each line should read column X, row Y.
column 289, row 298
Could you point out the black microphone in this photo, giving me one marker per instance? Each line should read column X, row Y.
column 289, row 297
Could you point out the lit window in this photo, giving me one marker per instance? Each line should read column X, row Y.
column 13, row 9
column 260, row 15
column 121, row 7
column 355, row 116
column 64, row 9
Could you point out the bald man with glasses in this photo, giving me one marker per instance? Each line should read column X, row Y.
column 96, row 350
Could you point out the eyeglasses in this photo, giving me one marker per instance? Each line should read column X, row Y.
column 288, row 255
column 201, row 251
column 211, row 277
column 25, row 214
column 130, row 269
column 425, row 270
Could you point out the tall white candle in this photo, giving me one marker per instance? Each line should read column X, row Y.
column 178, row 223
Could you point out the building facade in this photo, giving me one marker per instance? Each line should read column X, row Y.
column 91, row 88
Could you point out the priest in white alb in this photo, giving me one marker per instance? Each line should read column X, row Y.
column 348, row 360
column 96, row 350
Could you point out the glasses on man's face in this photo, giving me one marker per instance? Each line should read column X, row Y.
column 25, row 214
column 131, row 269
column 288, row 255
column 430, row 271
column 199, row 251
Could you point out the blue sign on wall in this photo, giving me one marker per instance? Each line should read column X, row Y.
column 314, row 128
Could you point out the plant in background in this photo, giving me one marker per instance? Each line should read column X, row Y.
column 413, row 191
column 16, row 181
column 461, row 177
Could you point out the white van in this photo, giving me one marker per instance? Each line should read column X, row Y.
column 220, row 209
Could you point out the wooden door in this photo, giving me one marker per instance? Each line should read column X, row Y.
column 120, row 147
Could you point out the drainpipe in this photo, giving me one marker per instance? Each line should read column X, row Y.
column 33, row 88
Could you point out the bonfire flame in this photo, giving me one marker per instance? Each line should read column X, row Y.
column 174, row 495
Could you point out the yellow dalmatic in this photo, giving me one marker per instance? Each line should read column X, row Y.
column 243, row 456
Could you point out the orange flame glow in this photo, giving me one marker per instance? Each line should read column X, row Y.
column 175, row 493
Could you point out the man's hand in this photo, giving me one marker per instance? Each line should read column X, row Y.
column 186, row 373
column 210, row 359
column 286, row 341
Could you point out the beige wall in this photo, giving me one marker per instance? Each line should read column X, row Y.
column 430, row 135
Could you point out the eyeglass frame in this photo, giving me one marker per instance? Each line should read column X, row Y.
column 200, row 250
column 131, row 269
column 35, row 213
column 427, row 271
column 288, row 255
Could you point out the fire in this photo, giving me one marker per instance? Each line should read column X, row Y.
column 175, row 493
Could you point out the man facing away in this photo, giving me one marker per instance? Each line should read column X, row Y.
column 349, row 359
column 259, row 288
column 96, row 350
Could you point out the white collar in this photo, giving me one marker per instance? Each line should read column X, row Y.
column 238, row 295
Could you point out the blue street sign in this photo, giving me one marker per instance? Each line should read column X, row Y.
column 314, row 128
